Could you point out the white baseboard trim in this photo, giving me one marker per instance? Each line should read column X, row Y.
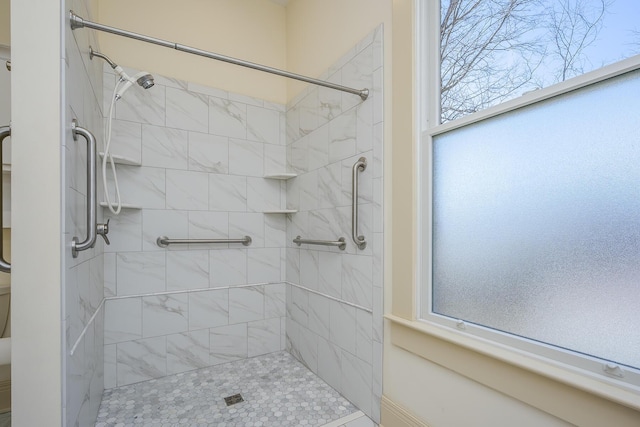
column 394, row 415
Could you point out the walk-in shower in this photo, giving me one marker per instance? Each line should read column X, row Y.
column 258, row 290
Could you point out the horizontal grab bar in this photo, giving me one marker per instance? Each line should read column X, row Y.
column 340, row 243
column 164, row 241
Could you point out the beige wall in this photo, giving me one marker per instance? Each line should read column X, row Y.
column 5, row 21
column 252, row 30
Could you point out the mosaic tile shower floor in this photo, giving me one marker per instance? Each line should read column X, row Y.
column 276, row 388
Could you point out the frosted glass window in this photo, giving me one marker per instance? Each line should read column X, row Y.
column 536, row 222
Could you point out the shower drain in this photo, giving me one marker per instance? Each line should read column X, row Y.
column 232, row 400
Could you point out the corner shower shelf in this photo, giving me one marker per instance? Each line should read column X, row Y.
column 281, row 211
column 282, row 176
column 122, row 160
column 124, row 206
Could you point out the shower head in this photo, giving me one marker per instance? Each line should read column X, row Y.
column 144, row 79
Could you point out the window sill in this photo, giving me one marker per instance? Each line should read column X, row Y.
column 549, row 386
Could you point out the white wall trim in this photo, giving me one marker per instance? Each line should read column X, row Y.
column 394, row 415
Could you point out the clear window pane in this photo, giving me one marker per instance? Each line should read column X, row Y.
column 536, row 221
column 496, row 50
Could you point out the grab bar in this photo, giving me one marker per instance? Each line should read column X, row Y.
column 93, row 228
column 5, row 267
column 340, row 243
column 360, row 165
column 164, row 241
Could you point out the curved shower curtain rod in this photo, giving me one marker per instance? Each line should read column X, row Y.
column 78, row 22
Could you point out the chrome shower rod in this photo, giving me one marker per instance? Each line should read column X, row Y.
column 78, row 22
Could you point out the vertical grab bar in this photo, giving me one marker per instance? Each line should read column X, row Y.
column 92, row 221
column 360, row 165
column 5, row 267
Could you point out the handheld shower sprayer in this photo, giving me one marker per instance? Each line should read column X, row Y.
column 145, row 80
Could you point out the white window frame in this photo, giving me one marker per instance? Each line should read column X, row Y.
column 584, row 372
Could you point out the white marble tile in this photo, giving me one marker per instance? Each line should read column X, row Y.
column 283, row 333
column 141, row 360
column 156, row 223
column 309, row 262
column 299, row 158
column 110, row 379
column 263, row 336
column 207, row 90
column 187, row 270
column 165, row 314
column 319, row 315
column 275, row 231
column 293, row 194
column 263, row 125
column 263, row 194
column 377, row 369
column 330, row 223
column 246, row 304
column 109, row 275
column 245, row 99
column 187, row 110
column 357, row 279
column 364, row 331
column 298, row 306
column 187, row 190
column 140, row 273
column 377, row 242
column 227, row 193
column 378, row 313
column 275, row 159
column 329, row 363
column 330, row 274
column 330, row 100
column 263, row 265
column 142, row 186
column 208, row 225
column 342, row 136
column 275, row 300
column 123, row 320
column 247, row 224
column 377, row 206
column 208, row 309
column 126, row 139
column 187, row 351
column 378, row 96
column 308, row 348
column 309, row 112
column 330, row 194
column 246, row 157
column 142, row 106
column 125, row 231
column 378, row 150
column 356, row 384
column 227, row 267
column 342, row 326
column 227, row 343
column 364, row 127
column 293, row 265
column 227, row 118
column 208, row 153
column 292, row 124
column 164, row 148
column 358, row 72
column 308, row 191
column 318, row 146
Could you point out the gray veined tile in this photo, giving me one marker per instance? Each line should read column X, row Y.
column 227, row 118
column 263, row 336
column 357, row 279
column 263, row 265
column 319, row 315
column 330, row 193
column 299, row 306
column 208, row 309
column 275, row 159
column 187, row 190
column 227, row 267
column 247, row 224
column 141, row 360
column 263, row 125
column 318, row 145
column 263, row 194
column 275, row 300
column 246, row 304
column 143, row 106
column 140, row 273
column 142, row 186
column 187, row 110
column 165, row 314
column 187, row 351
column 164, row 147
column 246, row 157
column 364, row 340
column 342, row 326
column 126, row 139
column 187, row 270
column 357, row 381
column 158, row 223
column 309, row 262
column 342, row 136
column 330, row 274
column 227, row 343
column 329, row 363
column 123, row 320
column 208, row 225
column 208, row 153
column 227, row 193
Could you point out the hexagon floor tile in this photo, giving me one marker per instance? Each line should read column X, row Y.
column 276, row 388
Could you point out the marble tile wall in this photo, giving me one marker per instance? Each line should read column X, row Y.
column 203, row 153
column 83, row 277
column 334, row 298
